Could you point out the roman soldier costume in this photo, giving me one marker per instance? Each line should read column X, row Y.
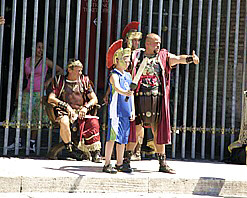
column 75, row 94
column 130, row 32
column 152, row 95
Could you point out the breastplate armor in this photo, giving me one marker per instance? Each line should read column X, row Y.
column 148, row 96
column 73, row 93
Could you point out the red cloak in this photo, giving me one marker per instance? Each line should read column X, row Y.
column 164, row 128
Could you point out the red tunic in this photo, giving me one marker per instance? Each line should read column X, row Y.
column 76, row 95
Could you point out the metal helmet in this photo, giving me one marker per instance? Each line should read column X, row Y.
column 115, row 52
column 130, row 32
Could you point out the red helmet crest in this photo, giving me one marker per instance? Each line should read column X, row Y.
column 130, row 26
column 110, row 53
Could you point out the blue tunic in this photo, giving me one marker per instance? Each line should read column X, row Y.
column 119, row 110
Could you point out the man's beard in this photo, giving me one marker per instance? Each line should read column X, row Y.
column 156, row 51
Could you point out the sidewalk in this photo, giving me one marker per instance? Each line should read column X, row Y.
column 192, row 178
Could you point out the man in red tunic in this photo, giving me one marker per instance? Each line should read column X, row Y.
column 152, row 95
column 72, row 97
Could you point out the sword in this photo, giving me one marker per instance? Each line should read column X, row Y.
column 137, row 77
column 72, row 120
column 90, row 116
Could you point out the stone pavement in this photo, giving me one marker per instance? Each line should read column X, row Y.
column 193, row 178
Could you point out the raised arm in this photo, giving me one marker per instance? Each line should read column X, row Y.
column 59, row 70
column 183, row 59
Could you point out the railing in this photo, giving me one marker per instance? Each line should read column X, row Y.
column 206, row 99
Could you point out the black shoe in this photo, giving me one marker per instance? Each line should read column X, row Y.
column 109, row 169
column 74, row 152
column 124, row 168
column 96, row 156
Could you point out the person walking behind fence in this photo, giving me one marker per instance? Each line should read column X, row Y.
column 120, row 112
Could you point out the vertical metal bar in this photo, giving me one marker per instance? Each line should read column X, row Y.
column 169, row 33
column 150, row 16
column 244, row 58
column 66, row 43
column 217, row 43
column 130, row 11
column 140, row 14
column 29, row 124
column 186, row 80
column 57, row 10
column 11, row 57
column 174, row 134
column 43, row 75
column 119, row 18
column 89, row 8
column 108, row 39
column 199, row 27
column 77, row 31
column 206, row 67
column 96, row 67
column 228, row 20
column 160, row 17
column 1, row 51
column 244, row 67
column 235, row 71
column 23, row 36
column 106, row 74
column 56, row 37
column 177, row 71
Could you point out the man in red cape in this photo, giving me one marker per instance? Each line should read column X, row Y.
column 154, row 83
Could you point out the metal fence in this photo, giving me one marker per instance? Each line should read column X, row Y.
column 206, row 100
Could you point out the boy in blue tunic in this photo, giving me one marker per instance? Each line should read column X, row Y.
column 120, row 112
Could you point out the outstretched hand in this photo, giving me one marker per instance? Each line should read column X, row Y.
column 195, row 57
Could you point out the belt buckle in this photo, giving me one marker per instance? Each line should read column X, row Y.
column 148, row 114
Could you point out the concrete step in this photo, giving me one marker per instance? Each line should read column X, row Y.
column 192, row 178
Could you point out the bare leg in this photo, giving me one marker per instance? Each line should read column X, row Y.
column 65, row 134
column 120, row 153
column 160, row 148
column 65, row 129
column 108, row 151
column 139, row 133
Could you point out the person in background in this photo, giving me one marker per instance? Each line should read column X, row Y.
column 2, row 20
column 120, row 112
column 36, row 94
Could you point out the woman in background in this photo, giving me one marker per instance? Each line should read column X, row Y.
column 36, row 94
